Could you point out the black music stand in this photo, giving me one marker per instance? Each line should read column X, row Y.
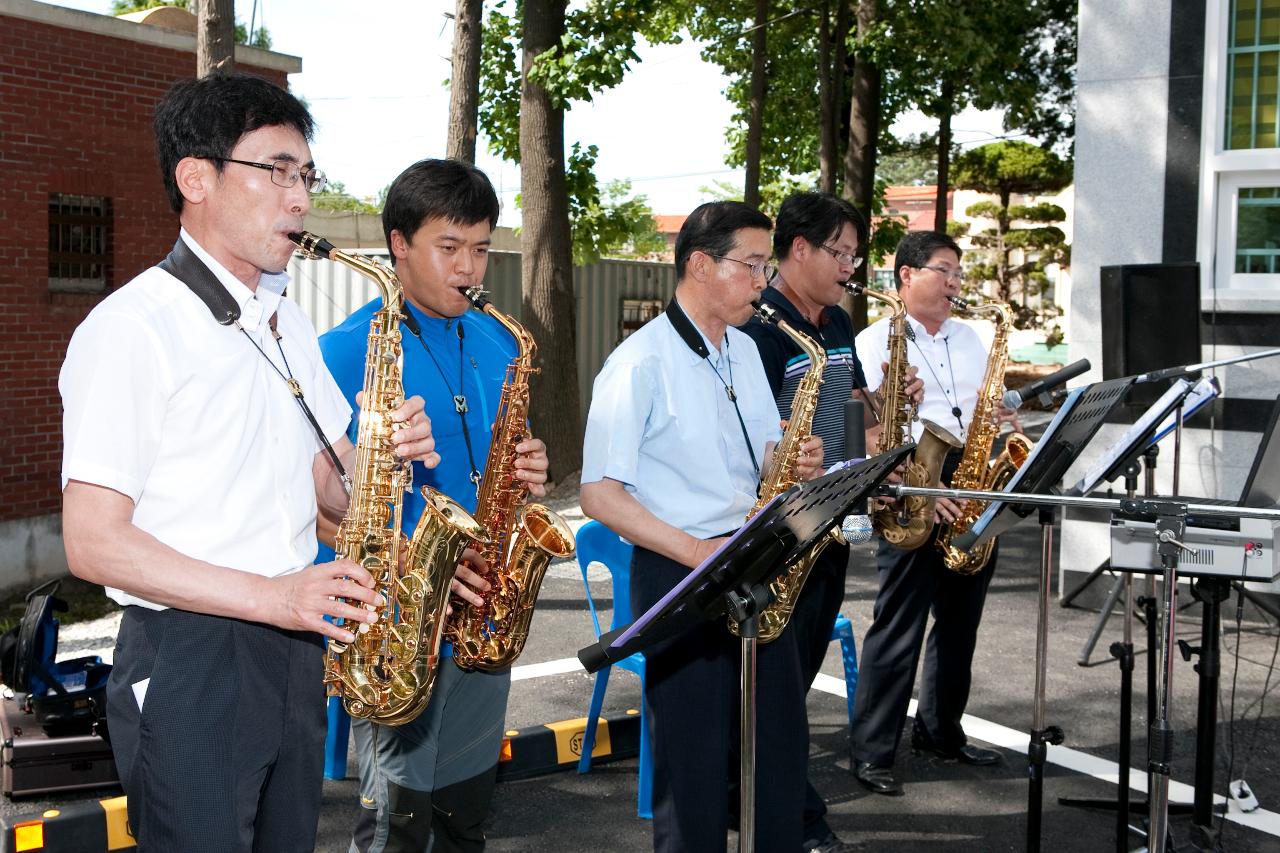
column 735, row 580
column 1076, row 423
column 1122, row 458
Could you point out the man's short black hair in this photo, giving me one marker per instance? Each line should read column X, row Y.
column 818, row 218
column 451, row 190
column 712, row 227
column 915, row 250
column 208, row 116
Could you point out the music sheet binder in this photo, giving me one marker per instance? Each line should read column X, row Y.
column 1136, row 439
column 1070, row 430
column 787, row 527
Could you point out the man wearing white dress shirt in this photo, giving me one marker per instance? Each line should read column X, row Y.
column 951, row 361
column 682, row 420
column 192, row 481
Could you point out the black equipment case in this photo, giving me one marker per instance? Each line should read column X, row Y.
column 53, row 719
column 35, row 763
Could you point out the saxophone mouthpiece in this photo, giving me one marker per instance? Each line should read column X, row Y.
column 766, row 312
column 959, row 304
column 853, row 287
column 311, row 245
column 479, row 297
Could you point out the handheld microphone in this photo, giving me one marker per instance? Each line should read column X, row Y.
column 1014, row 399
column 856, row 526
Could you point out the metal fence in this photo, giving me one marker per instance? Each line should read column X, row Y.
column 329, row 292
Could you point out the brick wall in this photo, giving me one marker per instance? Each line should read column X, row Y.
column 75, row 117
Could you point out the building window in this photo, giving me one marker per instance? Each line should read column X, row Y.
column 635, row 313
column 1253, row 74
column 79, row 243
column 1258, row 231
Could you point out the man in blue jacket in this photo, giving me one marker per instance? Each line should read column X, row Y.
column 434, row 777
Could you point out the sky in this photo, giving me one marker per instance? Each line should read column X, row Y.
column 374, row 75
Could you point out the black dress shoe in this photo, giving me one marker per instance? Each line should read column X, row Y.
column 965, row 753
column 830, row 844
column 878, row 780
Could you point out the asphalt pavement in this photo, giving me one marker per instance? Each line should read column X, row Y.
column 948, row 807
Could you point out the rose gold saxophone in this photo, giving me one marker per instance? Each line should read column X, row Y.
column 522, row 539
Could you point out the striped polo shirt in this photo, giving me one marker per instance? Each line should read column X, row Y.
column 785, row 364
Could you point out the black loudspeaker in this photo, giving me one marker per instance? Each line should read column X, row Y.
column 1150, row 321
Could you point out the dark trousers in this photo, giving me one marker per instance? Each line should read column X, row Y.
column 225, row 751
column 912, row 583
column 815, row 613
column 692, row 703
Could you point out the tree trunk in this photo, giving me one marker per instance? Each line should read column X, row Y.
column 547, row 264
column 464, row 85
column 826, row 106
column 839, row 115
column 860, row 155
column 215, row 37
column 944, row 157
column 755, row 109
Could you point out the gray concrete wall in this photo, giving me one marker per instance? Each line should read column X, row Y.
column 1121, row 119
column 31, row 552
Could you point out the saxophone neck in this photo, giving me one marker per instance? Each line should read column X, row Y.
column 314, row 246
column 524, row 341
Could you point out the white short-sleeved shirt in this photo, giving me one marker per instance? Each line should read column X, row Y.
column 186, row 418
column 952, row 364
column 662, row 425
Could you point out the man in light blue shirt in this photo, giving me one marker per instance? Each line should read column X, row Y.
column 682, row 420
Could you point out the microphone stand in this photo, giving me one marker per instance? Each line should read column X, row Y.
column 1170, row 524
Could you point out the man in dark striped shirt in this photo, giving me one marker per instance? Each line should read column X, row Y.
column 816, row 241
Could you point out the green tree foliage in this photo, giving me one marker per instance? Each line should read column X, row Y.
column 260, row 37
column 595, row 53
column 912, row 162
column 612, row 222
column 1024, row 239
column 945, row 55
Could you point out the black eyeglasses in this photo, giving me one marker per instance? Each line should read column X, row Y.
column 842, row 257
column 758, row 269
column 285, row 173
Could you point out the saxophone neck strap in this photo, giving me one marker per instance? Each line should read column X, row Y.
column 693, row 339
column 184, row 265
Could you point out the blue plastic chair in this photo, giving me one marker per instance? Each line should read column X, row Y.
column 843, row 631
column 599, row 544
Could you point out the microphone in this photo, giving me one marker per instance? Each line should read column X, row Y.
column 856, row 527
column 1014, row 399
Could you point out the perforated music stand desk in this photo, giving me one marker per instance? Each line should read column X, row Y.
column 1135, row 440
column 781, row 532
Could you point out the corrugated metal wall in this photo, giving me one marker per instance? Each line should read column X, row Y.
column 328, row 292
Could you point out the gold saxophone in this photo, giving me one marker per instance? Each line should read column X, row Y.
column 522, row 538
column 908, row 525
column 976, row 471
column 785, row 588
column 386, row 673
